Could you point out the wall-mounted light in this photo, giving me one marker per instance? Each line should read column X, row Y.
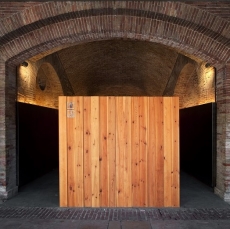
column 207, row 65
column 24, row 64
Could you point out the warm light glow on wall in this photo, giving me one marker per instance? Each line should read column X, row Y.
column 34, row 91
column 210, row 76
column 207, row 84
column 24, row 74
column 25, row 83
column 196, row 85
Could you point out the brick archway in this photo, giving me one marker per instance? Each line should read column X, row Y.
column 177, row 25
column 45, row 28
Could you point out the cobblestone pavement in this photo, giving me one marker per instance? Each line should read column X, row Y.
column 114, row 218
column 115, row 214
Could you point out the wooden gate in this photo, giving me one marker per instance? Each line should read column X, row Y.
column 119, row 151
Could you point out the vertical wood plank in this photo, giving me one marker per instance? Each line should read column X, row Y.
column 87, row 152
column 151, row 159
column 143, row 121
column 127, row 177
column 167, row 151
column 79, row 176
column 175, row 162
column 123, row 151
column 159, row 125
column 135, row 152
column 155, row 153
column 111, row 145
column 95, row 150
column 119, row 151
column 72, row 152
column 63, row 198
column 103, row 164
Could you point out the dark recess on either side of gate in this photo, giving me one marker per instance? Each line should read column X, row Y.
column 37, row 141
column 198, row 142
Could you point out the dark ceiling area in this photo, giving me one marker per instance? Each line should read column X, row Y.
column 121, row 67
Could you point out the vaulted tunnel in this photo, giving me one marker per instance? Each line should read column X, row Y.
column 120, row 67
column 115, row 67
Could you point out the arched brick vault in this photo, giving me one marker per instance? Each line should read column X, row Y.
column 175, row 24
column 47, row 27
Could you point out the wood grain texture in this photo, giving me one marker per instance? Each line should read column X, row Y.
column 119, row 152
column 159, row 147
column 103, row 155
column 123, row 151
column 135, row 141
column 95, row 151
column 151, row 156
column 72, row 152
column 176, row 158
column 79, row 162
column 143, row 141
column 127, row 175
column 120, row 143
column 167, row 151
column 87, row 152
column 111, row 150
column 63, row 197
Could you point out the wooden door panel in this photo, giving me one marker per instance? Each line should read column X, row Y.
column 119, row 151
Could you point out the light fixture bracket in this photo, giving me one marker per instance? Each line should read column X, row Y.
column 24, row 64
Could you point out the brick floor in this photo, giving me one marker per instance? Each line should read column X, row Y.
column 116, row 214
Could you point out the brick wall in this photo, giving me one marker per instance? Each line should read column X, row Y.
column 8, row 171
column 39, row 84
column 223, row 120
column 2, row 131
column 196, row 85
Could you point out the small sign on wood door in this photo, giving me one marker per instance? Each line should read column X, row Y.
column 70, row 110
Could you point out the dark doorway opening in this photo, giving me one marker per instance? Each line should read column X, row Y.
column 198, row 142
column 37, row 142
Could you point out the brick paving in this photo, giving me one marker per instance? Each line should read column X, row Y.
column 116, row 214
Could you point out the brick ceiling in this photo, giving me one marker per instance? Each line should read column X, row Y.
column 106, row 67
column 122, row 66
